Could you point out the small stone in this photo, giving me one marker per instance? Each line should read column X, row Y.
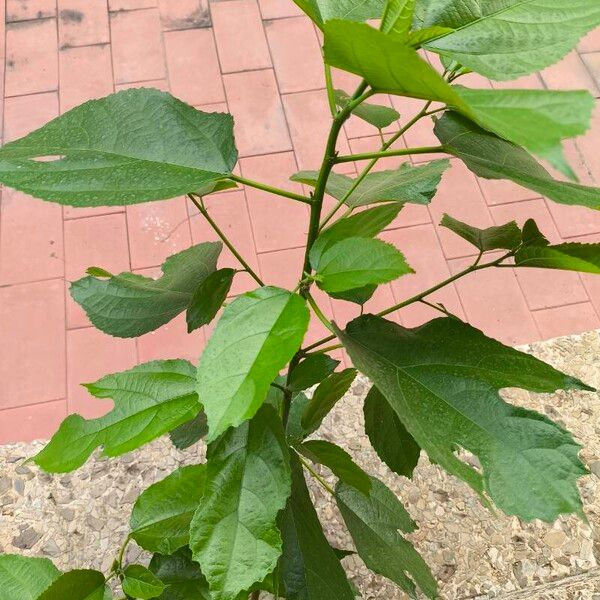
column 5, row 484
column 555, row 539
column 50, row 548
column 595, row 468
column 95, row 523
column 27, row 539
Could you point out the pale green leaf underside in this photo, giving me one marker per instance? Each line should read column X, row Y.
column 81, row 584
column 150, row 400
column 234, row 536
column 133, row 146
column 24, row 577
column 350, row 10
column 129, row 305
column 442, row 379
column 374, row 114
column 255, row 338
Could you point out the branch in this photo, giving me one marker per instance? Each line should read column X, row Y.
column 269, row 188
column 385, row 154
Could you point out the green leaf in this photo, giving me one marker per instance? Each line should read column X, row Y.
column 373, row 522
column 81, row 584
column 350, row 10
column 356, row 262
column 506, row 237
column 397, row 17
column 150, row 400
column 129, row 305
column 388, row 436
column 310, row 569
column 133, row 146
column 294, row 429
column 493, row 158
column 190, row 432
column 326, row 397
column 208, row 298
column 442, row 379
column 338, row 461
column 417, row 38
column 98, row 272
column 584, row 258
column 182, row 576
column 508, row 39
column 24, row 577
column 255, row 338
column 358, row 296
column 234, row 536
column 161, row 517
column 139, row 582
column 374, row 114
column 312, row 370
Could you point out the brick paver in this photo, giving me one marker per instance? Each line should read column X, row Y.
column 260, row 60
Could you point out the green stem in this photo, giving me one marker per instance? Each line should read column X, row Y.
column 269, row 188
column 385, row 153
column 319, row 312
column 323, row 483
column 225, row 240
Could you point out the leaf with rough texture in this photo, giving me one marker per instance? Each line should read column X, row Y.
column 338, row 461
column 326, row 396
column 208, row 298
column 182, row 576
column 388, row 436
column 374, row 114
column 257, row 335
column 234, row 536
column 190, row 432
column 443, row 378
column 25, row 577
column 507, row 236
column 139, row 582
column 133, row 146
column 539, row 253
column 309, row 567
column 312, row 370
column 81, row 584
column 417, row 38
column 357, row 262
column 350, row 10
column 129, row 305
column 494, row 158
column 397, row 17
column 150, row 400
column 161, row 516
column 507, row 39
column 373, row 522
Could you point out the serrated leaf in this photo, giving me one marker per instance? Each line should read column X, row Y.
column 356, row 262
column 182, row 576
column 309, row 567
column 139, row 582
column 388, row 436
column 350, row 10
column 338, row 461
column 538, row 252
column 507, row 236
column 505, row 40
column 133, row 146
column 312, row 370
column 98, row 272
column 326, row 396
column 255, row 338
column 129, row 305
column 81, row 584
column 397, row 17
column 208, row 298
column 190, row 432
column 373, row 522
column 233, row 535
column 494, row 158
column 374, row 114
column 25, row 577
column 443, row 378
column 161, row 516
column 150, row 400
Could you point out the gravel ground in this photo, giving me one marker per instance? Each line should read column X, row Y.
column 79, row 519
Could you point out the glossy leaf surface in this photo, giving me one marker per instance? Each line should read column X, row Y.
column 139, row 582
column 312, row 370
column 182, row 576
column 208, row 298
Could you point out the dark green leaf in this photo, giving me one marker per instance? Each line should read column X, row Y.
column 129, row 305
column 161, row 517
column 190, row 432
column 506, row 237
column 388, row 436
column 338, row 461
column 325, row 398
column 255, row 338
column 82, row 584
column 208, row 298
column 442, row 379
column 133, row 146
column 294, row 429
column 493, row 158
column 234, row 536
column 358, row 295
column 310, row 569
column 374, row 114
column 312, row 370
column 182, row 576
column 357, row 262
column 139, row 582
column 350, row 10
column 24, row 577
column 150, row 400
column 373, row 522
